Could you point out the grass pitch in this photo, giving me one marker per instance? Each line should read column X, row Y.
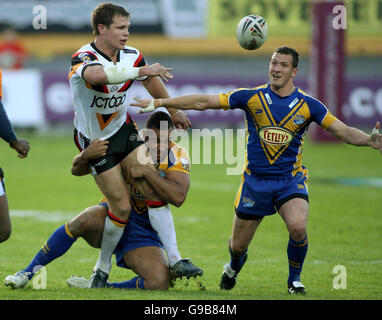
column 344, row 228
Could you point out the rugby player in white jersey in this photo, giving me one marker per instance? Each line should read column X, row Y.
column 101, row 73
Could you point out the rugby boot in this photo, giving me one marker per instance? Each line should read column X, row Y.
column 78, row 282
column 296, row 287
column 228, row 279
column 185, row 268
column 17, row 281
column 98, row 279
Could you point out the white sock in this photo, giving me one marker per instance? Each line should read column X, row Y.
column 162, row 222
column 110, row 238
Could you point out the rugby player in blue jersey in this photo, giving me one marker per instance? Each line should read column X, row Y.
column 140, row 247
column 22, row 147
column 277, row 117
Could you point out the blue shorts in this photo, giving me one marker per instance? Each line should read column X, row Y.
column 259, row 196
column 138, row 233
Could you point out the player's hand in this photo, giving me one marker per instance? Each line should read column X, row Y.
column 146, row 105
column 157, row 69
column 97, row 148
column 376, row 138
column 180, row 120
column 21, row 146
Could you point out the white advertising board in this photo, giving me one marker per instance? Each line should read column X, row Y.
column 22, row 97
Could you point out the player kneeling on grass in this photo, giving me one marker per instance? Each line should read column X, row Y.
column 140, row 247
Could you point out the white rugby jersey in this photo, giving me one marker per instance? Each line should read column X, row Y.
column 100, row 111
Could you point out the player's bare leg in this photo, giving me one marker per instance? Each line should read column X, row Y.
column 151, row 264
column 5, row 221
column 242, row 234
column 295, row 215
column 113, row 185
column 89, row 225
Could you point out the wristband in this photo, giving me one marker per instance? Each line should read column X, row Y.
column 149, row 108
column 120, row 73
column 375, row 131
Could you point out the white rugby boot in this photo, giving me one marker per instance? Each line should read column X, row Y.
column 78, row 282
column 17, row 281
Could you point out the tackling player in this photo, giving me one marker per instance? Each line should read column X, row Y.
column 22, row 147
column 101, row 73
column 140, row 246
column 277, row 117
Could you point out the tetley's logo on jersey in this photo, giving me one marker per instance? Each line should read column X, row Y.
column 108, row 102
column 275, row 136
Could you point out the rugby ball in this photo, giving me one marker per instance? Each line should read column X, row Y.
column 251, row 32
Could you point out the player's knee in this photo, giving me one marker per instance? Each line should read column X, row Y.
column 78, row 226
column 237, row 248
column 121, row 208
column 158, row 280
column 298, row 231
column 5, row 233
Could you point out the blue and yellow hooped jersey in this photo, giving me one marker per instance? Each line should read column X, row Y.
column 276, row 127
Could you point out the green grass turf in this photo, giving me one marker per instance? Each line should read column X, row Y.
column 344, row 228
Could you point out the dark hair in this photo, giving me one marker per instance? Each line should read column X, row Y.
column 104, row 14
column 156, row 118
column 289, row 51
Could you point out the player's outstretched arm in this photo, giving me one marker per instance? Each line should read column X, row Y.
column 190, row 102
column 157, row 90
column 94, row 150
column 120, row 73
column 355, row 136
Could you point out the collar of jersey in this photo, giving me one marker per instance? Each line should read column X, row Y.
column 104, row 54
column 280, row 97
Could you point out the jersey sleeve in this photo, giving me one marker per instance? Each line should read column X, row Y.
column 1, row 88
column 236, row 99
column 320, row 113
column 179, row 160
column 6, row 130
column 140, row 62
column 81, row 60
